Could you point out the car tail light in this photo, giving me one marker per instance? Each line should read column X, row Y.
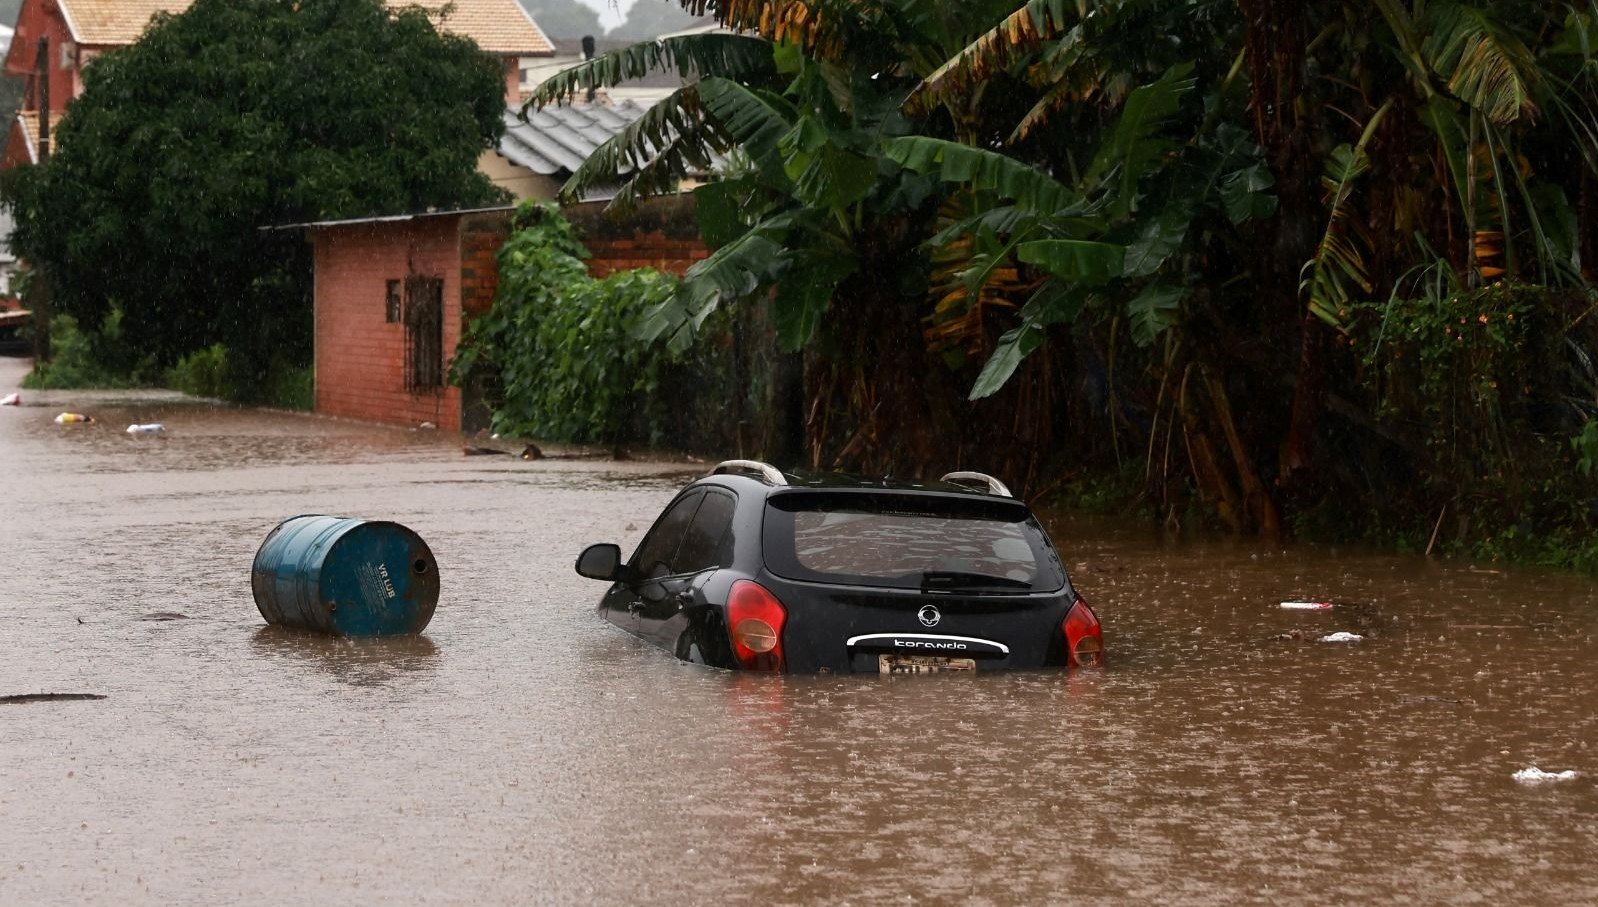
column 756, row 619
column 1084, row 641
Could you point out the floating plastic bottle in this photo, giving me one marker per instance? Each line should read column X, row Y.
column 72, row 418
column 148, row 428
column 1342, row 636
column 1535, row 775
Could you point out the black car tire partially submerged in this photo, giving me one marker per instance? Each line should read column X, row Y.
column 751, row 568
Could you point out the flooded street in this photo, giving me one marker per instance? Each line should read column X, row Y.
column 524, row 751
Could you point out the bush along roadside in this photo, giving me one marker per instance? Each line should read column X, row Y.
column 101, row 358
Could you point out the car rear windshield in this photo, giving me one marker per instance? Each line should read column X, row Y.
column 909, row 541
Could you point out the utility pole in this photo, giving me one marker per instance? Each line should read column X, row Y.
column 588, row 54
column 39, row 287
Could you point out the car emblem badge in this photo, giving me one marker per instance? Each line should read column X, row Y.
column 929, row 616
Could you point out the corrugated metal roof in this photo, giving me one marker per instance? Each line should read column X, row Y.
column 387, row 218
column 558, row 139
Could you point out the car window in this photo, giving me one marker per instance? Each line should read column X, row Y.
column 707, row 543
column 657, row 556
column 908, row 542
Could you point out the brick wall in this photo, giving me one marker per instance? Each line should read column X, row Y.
column 661, row 233
column 481, row 236
column 360, row 357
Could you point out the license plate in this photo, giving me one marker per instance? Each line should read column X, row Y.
column 923, row 664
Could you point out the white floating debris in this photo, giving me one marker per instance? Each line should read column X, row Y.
column 149, row 428
column 1342, row 636
column 1306, row 606
column 428, row 426
column 11, row 400
column 1535, row 775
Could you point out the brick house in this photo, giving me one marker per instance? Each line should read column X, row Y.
column 393, row 294
column 74, row 32
column 391, row 298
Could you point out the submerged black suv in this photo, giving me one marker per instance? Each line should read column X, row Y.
column 755, row 569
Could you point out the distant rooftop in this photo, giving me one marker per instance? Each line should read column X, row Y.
column 558, row 139
column 498, row 26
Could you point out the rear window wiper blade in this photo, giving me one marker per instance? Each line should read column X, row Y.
column 955, row 579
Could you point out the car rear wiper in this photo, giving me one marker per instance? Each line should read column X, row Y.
column 955, row 579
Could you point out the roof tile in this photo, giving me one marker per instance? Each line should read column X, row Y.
column 30, row 130
column 498, row 26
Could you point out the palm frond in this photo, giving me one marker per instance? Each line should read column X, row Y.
column 1076, row 261
column 820, row 28
column 742, row 56
column 953, row 162
column 755, row 120
column 1339, row 262
column 1134, row 145
column 653, row 152
column 1052, row 304
column 1063, row 85
column 996, row 49
column 1480, row 61
column 734, row 271
column 973, row 274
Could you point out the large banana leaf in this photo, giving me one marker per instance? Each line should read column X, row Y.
column 653, row 152
column 1339, row 265
column 715, row 54
column 805, row 292
column 1134, row 147
column 1074, row 260
column 982, row 169
column 754, row 119
column 1052, row 304
column 824, row 174
column 1153, row 310
column 734, row 271
column 1480, row 61
column 995, row 50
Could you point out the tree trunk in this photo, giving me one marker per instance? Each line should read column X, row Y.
column 1275, row 48
column 866, row 381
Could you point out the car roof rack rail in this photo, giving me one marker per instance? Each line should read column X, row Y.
column 968, row 478
column 766, row 471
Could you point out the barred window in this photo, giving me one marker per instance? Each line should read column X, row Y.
column 424, row 334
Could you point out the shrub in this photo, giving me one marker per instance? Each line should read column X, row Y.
column 561, row 342
column 88, row 358
column 202, row 373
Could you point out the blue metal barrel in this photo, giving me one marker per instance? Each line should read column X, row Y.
column 345, row 576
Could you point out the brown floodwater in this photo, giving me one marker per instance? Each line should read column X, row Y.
column 525, row 751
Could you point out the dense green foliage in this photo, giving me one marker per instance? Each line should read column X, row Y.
column 87, row 358
column 101, row 358
column 1228, row 241
column 203, row 373
column 560, row 342
column 233, row 116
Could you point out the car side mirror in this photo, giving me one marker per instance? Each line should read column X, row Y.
column 600, row 562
